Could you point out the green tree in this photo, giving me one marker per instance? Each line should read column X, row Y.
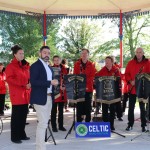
column 78, row 34
column 27, row 32
column 53, row 37
column 136, row 34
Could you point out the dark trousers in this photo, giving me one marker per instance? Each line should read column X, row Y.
column 60, row 107
column 118, row 109
column 2, row 103
column 18, row 121
column 132, row 101
column 108, row 117
column 125, row 99
column 84, row 108
column 66, row 105
column 148, row 109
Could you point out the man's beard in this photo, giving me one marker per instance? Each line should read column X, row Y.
column 139, row 59
column 45, row 59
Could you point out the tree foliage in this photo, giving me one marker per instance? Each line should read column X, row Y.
column 26, row 32
column 78, row 34
column 136, row 34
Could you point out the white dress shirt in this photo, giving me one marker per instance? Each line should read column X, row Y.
column 49, row 74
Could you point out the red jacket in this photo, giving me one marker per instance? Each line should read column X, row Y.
column 89, row 71
column 17, row 77
column 2, row 83
column 147, row 67
column 62, row 93
column 117, row 65
column 133, row 68
column 105, row 72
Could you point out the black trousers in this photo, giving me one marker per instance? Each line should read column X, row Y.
column 2, row 103
column 18, row 121
column 132, row 101
column 125, row 99
column 148, row 109
column 57, row 106
column 118, row 109
column 84, row 108
column 108, row 117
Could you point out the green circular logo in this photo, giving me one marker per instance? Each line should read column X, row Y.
column 81, row 130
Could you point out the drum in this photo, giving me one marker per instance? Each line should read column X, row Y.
column 75, row 87
column 142, row 86
column 108, row 89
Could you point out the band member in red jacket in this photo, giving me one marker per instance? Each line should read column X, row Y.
column 134, row 67
column 2, row 89
column 108, row 70
column 84, row 66
column 17, row 77
column 60, row 99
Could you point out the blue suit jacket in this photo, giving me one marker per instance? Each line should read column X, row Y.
column 39, row 83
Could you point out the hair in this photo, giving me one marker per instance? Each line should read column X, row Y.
column 114, row 59
column 1, row 64
column 43, row 47
column 84, row 49
column 15, row 49
column 64, row 61
column 109, row 57
column 56, row 56
column 140, row 49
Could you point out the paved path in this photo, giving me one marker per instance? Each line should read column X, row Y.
column 116, row 142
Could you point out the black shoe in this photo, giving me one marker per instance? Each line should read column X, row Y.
column 92, row 110
column 34, row 110
column 26, row 123
column 144, row 129
column 6, row 107
column 129, row 128
column 54, row 129
column 30, row 106
column 112, row 128
column 120, row 119
column 26, row 138
column 17, row 142
column 62, row 129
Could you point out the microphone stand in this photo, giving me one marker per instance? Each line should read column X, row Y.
column 51, row 134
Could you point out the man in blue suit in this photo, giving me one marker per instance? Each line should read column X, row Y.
column 42, row 82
